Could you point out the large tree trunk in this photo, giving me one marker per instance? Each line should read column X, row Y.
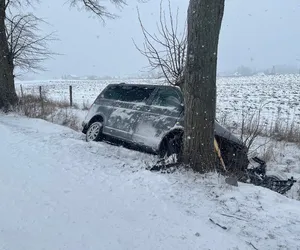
column 204, row 24
column 8, row 95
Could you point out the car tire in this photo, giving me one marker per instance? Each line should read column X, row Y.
column 171, row 147
column 94, row 132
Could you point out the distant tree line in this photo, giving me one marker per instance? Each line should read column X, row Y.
column 273, row 70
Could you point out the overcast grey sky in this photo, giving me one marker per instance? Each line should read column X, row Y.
column 256, row 33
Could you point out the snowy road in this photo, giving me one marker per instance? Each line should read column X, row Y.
column 59, row 192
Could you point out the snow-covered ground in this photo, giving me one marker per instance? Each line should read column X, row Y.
column 59, row 192
column 274, row 94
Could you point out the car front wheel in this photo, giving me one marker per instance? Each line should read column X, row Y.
column 171, row 149
column 94, row 132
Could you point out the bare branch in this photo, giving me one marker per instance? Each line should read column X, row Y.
column 165, row 50
column 96, row 7
column 28, row 48
column 19, row 3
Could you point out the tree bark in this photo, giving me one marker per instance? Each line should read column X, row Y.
column 8, row 96
column 204, row 24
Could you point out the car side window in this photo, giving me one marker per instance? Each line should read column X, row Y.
column 128, row 93
column 112, row 93
column 168, row 98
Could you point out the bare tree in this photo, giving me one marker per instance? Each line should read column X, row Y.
column 166, row 50
column 204, row 24
column 28, row 48
column 8, row 96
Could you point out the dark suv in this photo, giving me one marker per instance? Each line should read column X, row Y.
column 151, row 117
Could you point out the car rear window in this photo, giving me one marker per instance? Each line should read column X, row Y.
column 128, row 93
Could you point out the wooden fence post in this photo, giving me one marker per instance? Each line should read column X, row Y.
column 41, row 99
column 40, row 91
column 22, row 93
column 71, row 95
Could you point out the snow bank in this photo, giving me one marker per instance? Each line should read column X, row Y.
column 59, row 192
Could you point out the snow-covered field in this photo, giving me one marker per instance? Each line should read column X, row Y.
column 59, row 192
column 276, row 94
